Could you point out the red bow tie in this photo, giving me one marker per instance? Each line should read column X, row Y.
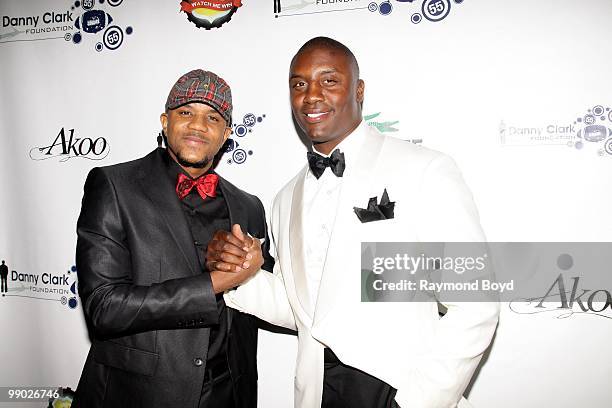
column 206, row 185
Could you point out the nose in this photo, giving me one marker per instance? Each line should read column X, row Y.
column 313, row 93
column 198, row 123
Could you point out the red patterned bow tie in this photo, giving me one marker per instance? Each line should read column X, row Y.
column 206, row 185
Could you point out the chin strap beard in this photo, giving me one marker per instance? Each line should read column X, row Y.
column 186, row 163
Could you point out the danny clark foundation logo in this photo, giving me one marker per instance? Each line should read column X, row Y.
column 68, row 144
column 432, row 11
column 589, row 132
column 49, row 286
column 209, row 14
column 80, row 22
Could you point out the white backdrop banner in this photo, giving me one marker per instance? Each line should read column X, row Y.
column 519, row 93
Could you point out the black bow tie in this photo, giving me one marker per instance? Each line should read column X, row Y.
column 318, row 163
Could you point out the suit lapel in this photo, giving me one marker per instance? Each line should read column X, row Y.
column 296, row 244
column 344, row 228
column 238, row 214
column 161, row 191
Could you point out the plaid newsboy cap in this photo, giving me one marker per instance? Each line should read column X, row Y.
column 205, row 87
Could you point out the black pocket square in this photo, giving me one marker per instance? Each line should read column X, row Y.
column 376, row 212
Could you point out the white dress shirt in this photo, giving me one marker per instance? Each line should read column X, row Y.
column 319, row 212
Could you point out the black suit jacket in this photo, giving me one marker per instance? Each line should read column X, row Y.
column 147, row 303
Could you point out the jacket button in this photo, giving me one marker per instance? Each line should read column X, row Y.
column 201, row 321
column 198, row 362
column 180, row 324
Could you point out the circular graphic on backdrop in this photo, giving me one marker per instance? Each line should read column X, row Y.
column 565, row 262
column 230, row 145
column 598, row 110
column 435, row 10
column 114, row 3
column 88, row 4
column 76, row 38
column 67, row 36
column 72, row 303
column 99, row 46
column 608, row 146
column 239, row 156
column 113, row 37
column 241, row 130
column 373, row 7
column 589, row 119
column 385, row 8
column 249, row 120
column 416, row 18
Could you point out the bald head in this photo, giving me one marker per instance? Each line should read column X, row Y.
column 331, row 45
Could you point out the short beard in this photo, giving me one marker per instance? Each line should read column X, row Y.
column 186, row 163
column 196, row 165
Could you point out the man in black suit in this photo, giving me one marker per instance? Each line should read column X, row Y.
column 161, row 334
column 4, row 276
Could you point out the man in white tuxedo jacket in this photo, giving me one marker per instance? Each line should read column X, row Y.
column 354, row 354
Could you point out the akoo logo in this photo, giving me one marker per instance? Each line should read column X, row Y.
column 210, row 13
column 580, row 299
column 67, row 145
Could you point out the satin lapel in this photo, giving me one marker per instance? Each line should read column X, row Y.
column 343, row 232
column 161, row 191
column 237, row 215
column 296, row 244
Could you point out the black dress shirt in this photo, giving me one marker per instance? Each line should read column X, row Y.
column 204, row 217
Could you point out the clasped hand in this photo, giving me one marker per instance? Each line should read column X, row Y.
column 232, row 257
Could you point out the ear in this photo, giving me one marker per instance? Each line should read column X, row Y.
column 226, row 133
column 360, row 90
column 163, row 118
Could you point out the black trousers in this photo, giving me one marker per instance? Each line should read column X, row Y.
column 218, row 388
column 348, row 387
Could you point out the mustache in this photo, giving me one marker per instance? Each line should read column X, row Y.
column 198, row 135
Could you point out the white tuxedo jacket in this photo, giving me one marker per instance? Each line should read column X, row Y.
column 428, row 359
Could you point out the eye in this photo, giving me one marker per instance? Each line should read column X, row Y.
column 330, row 81
column 298, row 85
column 184, row 112
column 213, row 118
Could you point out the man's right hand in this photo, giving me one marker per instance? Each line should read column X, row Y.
column 232, row 257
